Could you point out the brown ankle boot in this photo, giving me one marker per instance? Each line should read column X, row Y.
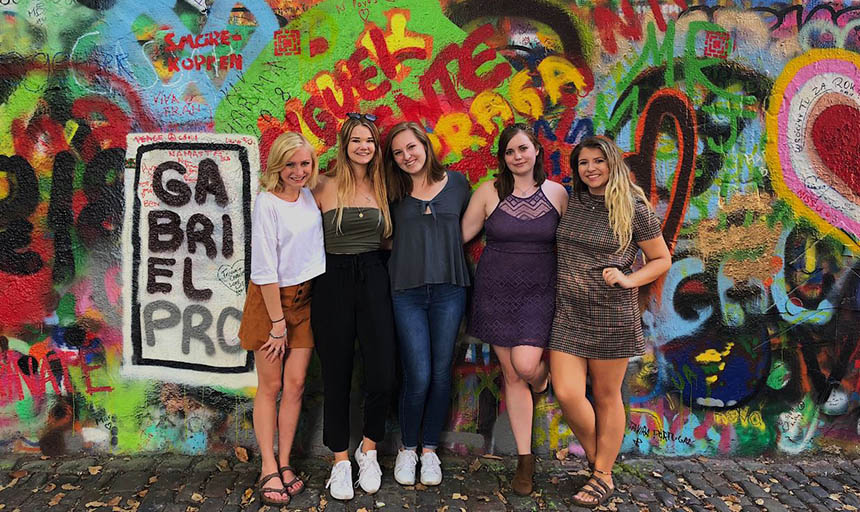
column 522, row 483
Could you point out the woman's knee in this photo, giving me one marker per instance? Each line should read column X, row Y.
column 269, row 388
column 568, row 391
column 294, row 387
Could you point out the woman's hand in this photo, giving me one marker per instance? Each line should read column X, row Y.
column 276, row 345
column 615, row 277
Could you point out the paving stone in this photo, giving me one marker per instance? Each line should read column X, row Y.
column 851, row 499
column 249, row 480
column 787, row 482
column 721, row 465
column 784, row 467
column 666, row 499
column 777, row 488
column 684, row 466
column 156, row 501
column 736, row 476
column 179, row 462
column 771, row 505
column 211, row 505
column 714, row 479
column 699, row 482
column 718, row 504
column 77, row 465
column 686, row 497
column 37, row 465
column 791, row 501
column 142, row 463
column 192, row 485
column 8, row 462
column 817, row 467
column 131, row 481
column 830, row 484
column 751, row 465
column 753, row 491
column 642, row 494
column 798, row 477
column 218, row 485
column 726, row 490
column 817, row 491
column 805, row 497
column 831, row 504
column 621, row 507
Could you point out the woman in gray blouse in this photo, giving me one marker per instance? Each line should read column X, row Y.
column 428, row 284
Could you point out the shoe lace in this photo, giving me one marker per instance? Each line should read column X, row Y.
column 409, row 456
column 339, row 471
column 431, row 459
column 366, row 466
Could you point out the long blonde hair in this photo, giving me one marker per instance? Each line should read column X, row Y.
column 344, row 176
column 621, row 192
column 282, row 149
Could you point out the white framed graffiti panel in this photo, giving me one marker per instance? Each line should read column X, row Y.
column 187, row 250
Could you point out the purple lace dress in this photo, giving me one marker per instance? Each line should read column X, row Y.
column 514, row 291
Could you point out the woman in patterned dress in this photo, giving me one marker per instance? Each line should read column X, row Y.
column 597, row 324
column 514, row 295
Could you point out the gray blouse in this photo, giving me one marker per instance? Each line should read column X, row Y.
column 428, row 242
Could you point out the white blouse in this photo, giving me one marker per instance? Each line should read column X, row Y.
column 286, row 240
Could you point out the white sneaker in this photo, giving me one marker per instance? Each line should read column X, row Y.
column 431, row 469
column 404, row 467
column 369, row 472
column 340, row 482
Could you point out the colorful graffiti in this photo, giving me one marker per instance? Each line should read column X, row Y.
column 128, row 145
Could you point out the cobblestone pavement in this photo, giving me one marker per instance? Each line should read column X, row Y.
column 175, row 483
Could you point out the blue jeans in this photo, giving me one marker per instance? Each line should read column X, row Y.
column 427, row 319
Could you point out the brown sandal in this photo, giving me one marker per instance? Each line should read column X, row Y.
column 596, row 489
column 294, row 481
column 262, row 491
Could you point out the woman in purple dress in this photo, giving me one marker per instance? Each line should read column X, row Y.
column 514, row 293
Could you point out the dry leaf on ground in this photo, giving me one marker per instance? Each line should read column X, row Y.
column 241, row 453
column 94, row 470
column 70, row 487
column 56, row 499
column 21, row 473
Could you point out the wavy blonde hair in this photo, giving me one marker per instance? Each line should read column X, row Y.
column 282, row 149
column 621, row 191
column 344, row 175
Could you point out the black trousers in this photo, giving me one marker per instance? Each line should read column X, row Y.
column 353, row 298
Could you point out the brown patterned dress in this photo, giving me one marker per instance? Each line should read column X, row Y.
column 592, row 319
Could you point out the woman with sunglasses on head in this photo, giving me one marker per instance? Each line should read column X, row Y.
column 352, row 299
column 428, row 280
column 286, row 254
column 597, row 324
column 514, row 294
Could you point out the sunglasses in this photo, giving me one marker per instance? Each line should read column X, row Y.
column 356, row 115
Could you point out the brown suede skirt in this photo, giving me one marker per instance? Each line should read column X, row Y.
column 256, row 324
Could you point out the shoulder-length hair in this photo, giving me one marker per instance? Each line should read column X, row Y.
column 504, row 182
column 621, row 191
column 282, row 149
column 399, row 182
column 344, row 174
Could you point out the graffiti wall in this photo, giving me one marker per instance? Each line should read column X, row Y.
column 129, row 135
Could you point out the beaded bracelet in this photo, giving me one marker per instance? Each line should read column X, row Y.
column 284, row 335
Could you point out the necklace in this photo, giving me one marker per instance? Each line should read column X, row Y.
column 360, row 209
column 527, row 192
